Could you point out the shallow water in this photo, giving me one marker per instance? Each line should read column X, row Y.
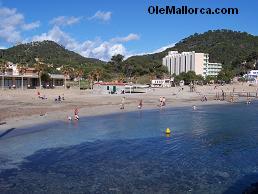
column 211, row 150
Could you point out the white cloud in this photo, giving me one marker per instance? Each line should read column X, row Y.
column 102, row 50
column 101, row 15
column 151, row 52
column 130, row 37
column 12, row 24
column 163, row 48
column 2, row 47
column 65, row 20
column 57, row 35
column 31, row 26
column 4, row 11
column 106, row 50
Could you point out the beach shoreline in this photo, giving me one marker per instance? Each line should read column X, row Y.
column 30, row 121
column 21, row 109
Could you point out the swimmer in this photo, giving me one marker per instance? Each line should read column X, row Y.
column 194, row 107
column 69, row 118
column 248, row 100
column 76, row 117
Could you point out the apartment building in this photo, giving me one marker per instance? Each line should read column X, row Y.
column 190, row 61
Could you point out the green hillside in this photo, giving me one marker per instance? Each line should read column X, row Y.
column 49, row 51
column 228, row 47
column 237, row 51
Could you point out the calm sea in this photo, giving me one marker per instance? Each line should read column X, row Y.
column 213, row 149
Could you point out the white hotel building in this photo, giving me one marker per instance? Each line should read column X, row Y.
column 190, row 61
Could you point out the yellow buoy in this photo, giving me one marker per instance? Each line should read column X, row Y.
column 168, row 131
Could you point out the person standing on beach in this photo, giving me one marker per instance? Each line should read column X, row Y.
column 122, row 103
column 76, row 114
column 140, row 104
column 223, row 95
column 160, row 101
column 163, row 101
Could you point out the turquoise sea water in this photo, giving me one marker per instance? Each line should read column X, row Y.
column 213, row 149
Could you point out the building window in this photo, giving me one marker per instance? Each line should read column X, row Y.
column 179, row 65
column 175, row 66
column 191, row 62
column 185, row 63
column 170, row 66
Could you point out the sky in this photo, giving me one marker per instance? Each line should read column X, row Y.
column 101, row 28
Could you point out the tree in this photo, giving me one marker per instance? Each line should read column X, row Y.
column 225, row 75
column 22, row 68
column 135, row 79
column 91, row 77
column 190, row 77
column 178, row 78
column 45, row 77
column 209, row 78
column 40, row 68
column 128, row 69
column 67, row 71
column 117, row 58
column 121, row 78
column 98, row 72
column 152, row 76
column 116, row 62
column 3, row 68
column 79, row 73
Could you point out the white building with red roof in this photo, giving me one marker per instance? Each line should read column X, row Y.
column 109, row 87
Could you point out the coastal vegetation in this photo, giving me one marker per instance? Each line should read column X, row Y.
column 237, row 51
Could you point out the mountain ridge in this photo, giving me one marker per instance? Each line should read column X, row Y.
column 231, row 48
column 49, row 51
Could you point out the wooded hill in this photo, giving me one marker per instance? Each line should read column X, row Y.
column 48, row 51
column 231, row 48
column 237, row 51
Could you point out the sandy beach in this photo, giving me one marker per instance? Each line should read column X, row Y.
column 23, row 108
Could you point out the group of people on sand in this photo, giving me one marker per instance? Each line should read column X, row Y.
column 59, row 98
